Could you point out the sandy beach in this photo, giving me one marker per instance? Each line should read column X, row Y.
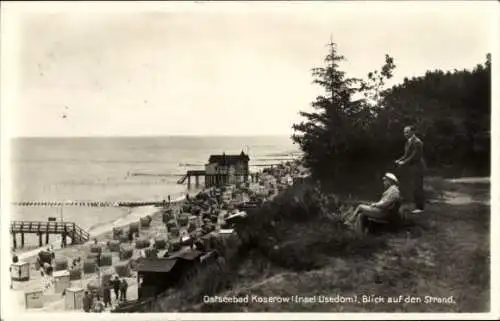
column 102, row 234
column 55, row 301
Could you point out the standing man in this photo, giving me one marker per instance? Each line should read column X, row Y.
column 413, row 160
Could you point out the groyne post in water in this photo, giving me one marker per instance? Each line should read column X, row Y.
column 14, row 240
column 47, row 235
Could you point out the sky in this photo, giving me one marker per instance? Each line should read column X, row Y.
column 217, row 69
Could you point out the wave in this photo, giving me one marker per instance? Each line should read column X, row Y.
column 285, row 154
column 123, row 183
column 191, row 164
column 98, row 229
column 155, row 174
column 86, row 161
column 274, row 158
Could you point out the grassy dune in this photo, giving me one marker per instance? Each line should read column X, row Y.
column 296, row 245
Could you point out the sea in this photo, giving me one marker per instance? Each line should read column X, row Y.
column 120, row 169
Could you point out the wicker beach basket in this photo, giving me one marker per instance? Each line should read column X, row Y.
column 174, row 232
column 191, row 228
column 45, row 257
column 167, row 215
column 174, row 246
column 117, row 232
column 183, row 219
column 94, row 287
column 126, row 252
column 171, row 224
column 106, row 259
column 61, row 263
column 134, row 260
column 75, row 274
column 145, row 221
column 160, row 243
column 93, row 256
column 95, row 248
column 134, row 227
column 142, row 243
column 114, row 245
column 107, row 276
column 151, row 253
column 196, row 210
column 123, row 238
column 123, row 269
column 89, row 266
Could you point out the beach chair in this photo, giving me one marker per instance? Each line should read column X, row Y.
column 392, row 220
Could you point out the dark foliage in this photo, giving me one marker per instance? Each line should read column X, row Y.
column 450, row 110
column 301, row 230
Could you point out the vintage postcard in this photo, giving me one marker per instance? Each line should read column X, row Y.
column 249, row 160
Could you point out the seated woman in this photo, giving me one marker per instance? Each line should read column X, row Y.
column 385, row 209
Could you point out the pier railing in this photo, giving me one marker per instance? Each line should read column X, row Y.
column 75, row 232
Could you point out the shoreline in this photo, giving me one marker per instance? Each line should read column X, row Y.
column 102, row 230
column 102, row 234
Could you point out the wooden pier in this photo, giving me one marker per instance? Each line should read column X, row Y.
column 75, row 232
column 196, row 173
column 213, row 179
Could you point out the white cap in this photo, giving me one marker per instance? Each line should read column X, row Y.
column 391, row 177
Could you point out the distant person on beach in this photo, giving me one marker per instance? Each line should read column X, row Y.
column 123, row 290
column 87, row 302
column 98, row 306
column 46, row 282
column 383, row 209
column 106, row 294
column 116, row 288
column 51, row 253
column 413, row 161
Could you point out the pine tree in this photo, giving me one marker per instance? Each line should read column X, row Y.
column 324, row 135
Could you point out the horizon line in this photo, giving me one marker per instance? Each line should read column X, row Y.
column 156, row 136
